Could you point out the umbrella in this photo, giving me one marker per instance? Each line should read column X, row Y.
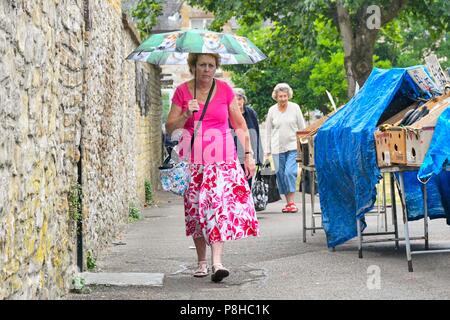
column 172, row 48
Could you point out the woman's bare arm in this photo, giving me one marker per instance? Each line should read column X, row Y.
column 176, row 118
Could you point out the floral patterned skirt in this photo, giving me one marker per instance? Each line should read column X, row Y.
column 218, row 203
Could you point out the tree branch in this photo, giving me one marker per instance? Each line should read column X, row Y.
column 393, row 10
column 345, row 27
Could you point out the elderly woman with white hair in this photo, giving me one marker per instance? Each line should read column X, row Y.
column 284, row 119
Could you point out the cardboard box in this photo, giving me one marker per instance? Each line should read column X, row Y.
column 417, row 144
column 436, row 107
column 418, row 136
column 397, row 145
column 305, row 148
column 301, row 141
column 409, row 145
column 311, row 150
column 304, row 154
column 382, row 143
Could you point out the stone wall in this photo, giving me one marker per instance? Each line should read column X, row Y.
column 68, row 110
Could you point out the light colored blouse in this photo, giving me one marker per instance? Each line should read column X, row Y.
column 282, row 127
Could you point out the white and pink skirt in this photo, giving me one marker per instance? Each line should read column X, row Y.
column 218, row 203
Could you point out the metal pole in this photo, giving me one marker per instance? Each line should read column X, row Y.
column 311, row 182
column 394, row 209
column 358, row 228
column 425, row 212
column 378, row 207
column 384, row 204
column 303, row 203
column 405, row 223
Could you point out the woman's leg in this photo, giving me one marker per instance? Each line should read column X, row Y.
column 279, row 162
column 200, row 246
column 216, row 252
column 291, row 170
column 202, row 269
column 219, row 272
column 290, row 197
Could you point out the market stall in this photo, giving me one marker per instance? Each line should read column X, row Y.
column 345, row 156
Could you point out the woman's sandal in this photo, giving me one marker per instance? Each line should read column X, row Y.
column 202, row 270
column 219, row 272
column 292, row 208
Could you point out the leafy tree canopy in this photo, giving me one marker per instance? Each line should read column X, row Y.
column 146, row 12
column 305, row 48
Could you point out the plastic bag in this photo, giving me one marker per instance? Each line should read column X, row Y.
column 260, row 191
column 270, row 178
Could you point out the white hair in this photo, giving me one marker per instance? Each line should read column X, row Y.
column 284, row 87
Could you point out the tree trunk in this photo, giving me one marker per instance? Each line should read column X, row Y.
column 362, row 57
column 359, row 34
column 359, row 42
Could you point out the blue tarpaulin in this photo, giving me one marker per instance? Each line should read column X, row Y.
column 345, row 155
column 438, row 157
column 439, row 151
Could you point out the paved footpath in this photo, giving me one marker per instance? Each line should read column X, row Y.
column 276, row 265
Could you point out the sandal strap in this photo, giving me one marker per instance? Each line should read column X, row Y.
column 202, row 269
column 216, row 266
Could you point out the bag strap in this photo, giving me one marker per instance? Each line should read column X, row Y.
column 203, row 114
column 258, row 172
column 166, row 164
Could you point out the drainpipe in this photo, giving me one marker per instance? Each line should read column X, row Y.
column 87, row 28
column 80, row 220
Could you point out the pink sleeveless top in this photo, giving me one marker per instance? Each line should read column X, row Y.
column 213, row 142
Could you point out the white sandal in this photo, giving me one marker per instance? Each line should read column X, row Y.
column 219, row 272
column 202, row 269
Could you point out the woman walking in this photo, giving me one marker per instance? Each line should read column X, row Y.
column 284, row 119
column 218, row 205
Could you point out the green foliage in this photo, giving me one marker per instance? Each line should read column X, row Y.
column 148, row 192
column 79, row 285
column 75, row 202
column 146, row 12
column 406, row 41
column 134, row 213
column 309, row 72
column 91, row 262
column 304, row 41
column 165, row 97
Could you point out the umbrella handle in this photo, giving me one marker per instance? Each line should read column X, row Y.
column 195, row 84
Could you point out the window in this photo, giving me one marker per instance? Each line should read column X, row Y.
column 200, row 23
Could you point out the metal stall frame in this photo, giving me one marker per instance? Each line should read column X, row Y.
column 400, row 170
column 314, row 214
column 381, row 209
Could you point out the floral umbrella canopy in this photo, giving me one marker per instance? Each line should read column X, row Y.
column 172, row 48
